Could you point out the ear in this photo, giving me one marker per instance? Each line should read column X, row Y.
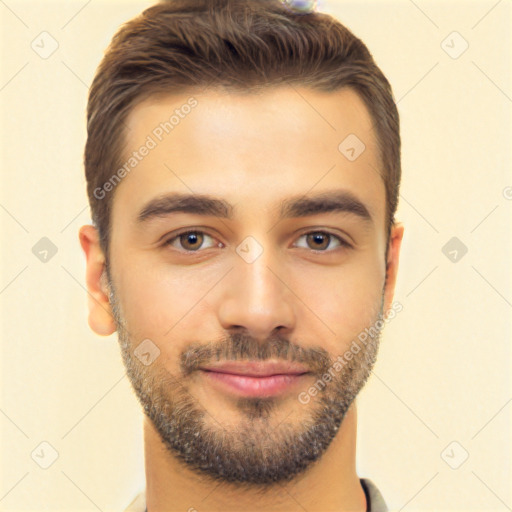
column 101, row 320
column 395, row 242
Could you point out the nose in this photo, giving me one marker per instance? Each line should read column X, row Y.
column 257, row 299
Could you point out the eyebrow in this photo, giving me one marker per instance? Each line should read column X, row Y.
column 300, row 206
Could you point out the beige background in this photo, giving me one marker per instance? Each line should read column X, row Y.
column 443, row 374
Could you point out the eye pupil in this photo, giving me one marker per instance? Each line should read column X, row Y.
column 319, row 239
column 191, row 238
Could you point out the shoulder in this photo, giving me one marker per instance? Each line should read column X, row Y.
column 374, row 497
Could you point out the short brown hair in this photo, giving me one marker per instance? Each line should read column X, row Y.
column 180, row 45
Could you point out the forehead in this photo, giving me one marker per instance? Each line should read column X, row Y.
column 251, row 149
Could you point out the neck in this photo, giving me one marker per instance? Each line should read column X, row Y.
column 331, row 484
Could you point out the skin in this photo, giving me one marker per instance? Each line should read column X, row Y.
column 253, row 151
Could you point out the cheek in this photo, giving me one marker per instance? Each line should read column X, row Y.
column 161, row 302
column 147, row 300
column 342, row 303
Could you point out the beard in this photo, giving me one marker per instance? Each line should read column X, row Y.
column 257, row 451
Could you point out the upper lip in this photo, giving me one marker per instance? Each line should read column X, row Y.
column 257, row 368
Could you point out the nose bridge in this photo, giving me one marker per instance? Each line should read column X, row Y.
column 257, row 298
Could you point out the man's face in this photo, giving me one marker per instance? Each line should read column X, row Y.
column 255, row 281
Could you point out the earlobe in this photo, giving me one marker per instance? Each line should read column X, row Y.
column 101, row 320
column 395, row 242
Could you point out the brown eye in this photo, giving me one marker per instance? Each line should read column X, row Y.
column 322, row 241
column 190, row 241
column 318, row 241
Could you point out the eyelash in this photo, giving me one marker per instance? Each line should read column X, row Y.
column 342, row 242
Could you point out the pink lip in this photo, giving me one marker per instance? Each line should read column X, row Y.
column 254, row 378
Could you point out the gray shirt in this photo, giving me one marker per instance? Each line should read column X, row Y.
column 375, row 501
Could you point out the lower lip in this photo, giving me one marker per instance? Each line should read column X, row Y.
column 253, row 386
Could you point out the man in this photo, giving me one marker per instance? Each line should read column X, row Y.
column 243, row 168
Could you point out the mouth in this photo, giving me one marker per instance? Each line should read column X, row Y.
column 255, row 378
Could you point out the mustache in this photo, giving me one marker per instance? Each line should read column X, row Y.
column 240, row 346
